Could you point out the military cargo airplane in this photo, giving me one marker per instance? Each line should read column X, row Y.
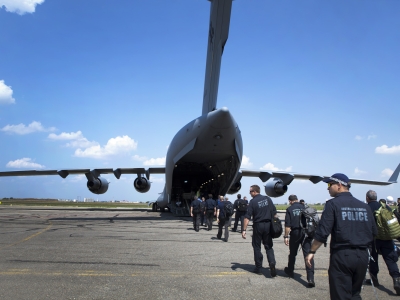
column 206, row 154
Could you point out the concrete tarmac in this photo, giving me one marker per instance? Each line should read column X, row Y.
column 83, row 254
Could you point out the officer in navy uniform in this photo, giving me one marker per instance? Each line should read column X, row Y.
column 239, row 214
column 297, row 238
column 210, row 211
column 385, row 247
column 195, row 212
column 262, row 210
column 353, row 228
column 222, row 220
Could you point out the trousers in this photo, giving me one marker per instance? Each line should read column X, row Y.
column 347, row 269
column 261, row 235
column 389, row 255
column 297, row 238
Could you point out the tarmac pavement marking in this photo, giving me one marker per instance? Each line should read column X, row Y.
column 29, row 237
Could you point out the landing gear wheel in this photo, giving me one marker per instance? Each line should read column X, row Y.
column 162, row 209
column 154, row 207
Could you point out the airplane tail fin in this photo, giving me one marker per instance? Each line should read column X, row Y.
column 220, row 15
column 395, row 175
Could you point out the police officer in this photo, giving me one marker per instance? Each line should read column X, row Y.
column 210, row 211
column 262, row 210
column 202, row 210
column 297, row 237
column 195, row 213
column 240, row 206
column 386, row 248
column 352, row 226
column 223, row 221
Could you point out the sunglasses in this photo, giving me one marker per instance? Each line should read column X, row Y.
column 331, row 183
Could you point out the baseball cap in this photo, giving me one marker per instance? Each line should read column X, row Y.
column 338, row 177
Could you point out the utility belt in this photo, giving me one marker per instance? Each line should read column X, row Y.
column 210, row 208
column 295, row 228
column 345, row 247
column 264, row 221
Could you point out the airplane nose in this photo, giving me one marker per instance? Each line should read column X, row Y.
column 221, row 118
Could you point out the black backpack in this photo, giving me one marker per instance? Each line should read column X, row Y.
column 202, row 206
column 276, row 228
column 228, row 207
column 242, row 205
column 309, row 221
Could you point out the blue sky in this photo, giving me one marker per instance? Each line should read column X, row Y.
column 313, row 85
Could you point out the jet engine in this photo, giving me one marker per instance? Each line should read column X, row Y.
column 142, row 185
column 97, row 185
column 234, row 188
column 275, row 187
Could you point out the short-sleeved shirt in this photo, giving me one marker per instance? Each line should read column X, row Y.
column 261, row 208
column 221, row 207
column 210, row 204
column 293, row 215
column 349, row 220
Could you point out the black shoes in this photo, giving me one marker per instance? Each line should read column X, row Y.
column 272, row 270
column 288, row 273
column 396, row 285
column 374, row 281
column 257, row 271
column 311, row 283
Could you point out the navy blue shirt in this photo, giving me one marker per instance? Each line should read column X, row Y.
column 210, row 204
column 261, row 209
column 349, row 220
column 221, row 207
column 292, row 218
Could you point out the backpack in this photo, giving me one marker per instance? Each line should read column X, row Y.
column 309, row 220
column 276, row 228
column 387, row 223
column 228, row 207
column 242, row 205
column 202, row 206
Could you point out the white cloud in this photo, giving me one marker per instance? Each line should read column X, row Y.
column 20, row 6
column 358, row 137
column 386, row 173
column 23, row 129
column 6, row 92
column 372, row 136
column 357, row 171
column 24, row 163
column 246, row 162
column 114, row 146
column 384, row 149
column 77, row 139
column 155, row 162
column 271, row 167
column 139, row 158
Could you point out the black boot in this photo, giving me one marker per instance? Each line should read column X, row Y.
column 396, row 285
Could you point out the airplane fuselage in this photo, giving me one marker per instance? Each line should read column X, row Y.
column 203, row 157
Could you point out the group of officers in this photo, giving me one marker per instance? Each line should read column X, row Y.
column 349, row 221
column 203, row 212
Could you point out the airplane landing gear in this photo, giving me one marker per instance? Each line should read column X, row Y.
column 154, row 207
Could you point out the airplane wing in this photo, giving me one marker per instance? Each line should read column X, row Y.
column 287, row 177
column 88, row 172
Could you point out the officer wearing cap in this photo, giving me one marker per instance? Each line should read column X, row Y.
column 352, row 227
column 262, row 210
column 297, row 237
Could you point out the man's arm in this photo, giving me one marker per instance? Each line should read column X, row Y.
column 286, row 237
column 314, row 247
column 245, row 223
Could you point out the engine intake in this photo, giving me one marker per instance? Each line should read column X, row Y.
column 275, row 188
column 234, row 188
column 97, row 185
column 142, row 185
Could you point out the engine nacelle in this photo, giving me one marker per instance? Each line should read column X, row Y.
column 234, row 188
column 275, row 187
column 98, row 185
column 142, row 185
